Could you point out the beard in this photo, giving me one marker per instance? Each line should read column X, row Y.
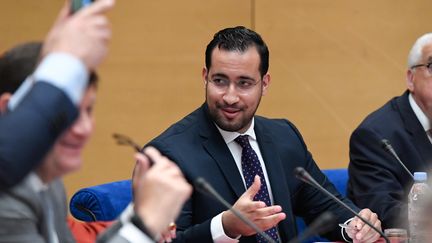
column 239, row 124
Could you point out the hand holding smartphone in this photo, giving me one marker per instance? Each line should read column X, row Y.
column 78, row 4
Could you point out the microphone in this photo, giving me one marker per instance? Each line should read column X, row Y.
column 304, row 176
column 322, row 224
column 203, row 186
column 389, row 148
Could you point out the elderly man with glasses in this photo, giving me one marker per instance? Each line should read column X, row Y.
column 377, row 180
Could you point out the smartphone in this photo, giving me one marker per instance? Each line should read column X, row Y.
column 78, row 4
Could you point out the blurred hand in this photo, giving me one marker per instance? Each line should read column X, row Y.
column 256, row 211
column 168, row 235
column 160, row 191
column 84, row 34
column 361, row 232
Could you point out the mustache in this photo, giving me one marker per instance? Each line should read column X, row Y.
column 226, row 106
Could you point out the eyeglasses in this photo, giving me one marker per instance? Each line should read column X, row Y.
column 242, row 86
column 125, row 140
column 427, row 65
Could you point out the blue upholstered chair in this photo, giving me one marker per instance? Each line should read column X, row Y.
column 106, row 201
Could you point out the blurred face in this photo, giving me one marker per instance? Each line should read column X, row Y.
column 65, row 157
column 419, row 82
column 234, row 88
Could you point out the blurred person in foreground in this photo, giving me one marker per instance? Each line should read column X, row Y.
column 35, row 210
column 47, row 102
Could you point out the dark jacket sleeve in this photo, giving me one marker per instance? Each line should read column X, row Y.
column 375, row 179
column 309, row 202
column 28, row 132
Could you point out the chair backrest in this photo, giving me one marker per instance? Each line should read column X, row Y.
column 105, row 202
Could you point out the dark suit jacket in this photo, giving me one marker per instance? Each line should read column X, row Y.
column 22, row 218
column 27, row 133
column 196, row 145
column 377, row 181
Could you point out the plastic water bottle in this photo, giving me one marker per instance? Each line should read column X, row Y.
column 416, row 200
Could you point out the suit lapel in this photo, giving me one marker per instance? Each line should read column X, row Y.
column 412, row 125
column 25, row 193
column 218, row 150
column 277, row 177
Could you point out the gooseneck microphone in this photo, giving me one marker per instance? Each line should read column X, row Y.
column 324, row 223
column 304, row 176
column 203, row 186
column 389, row 148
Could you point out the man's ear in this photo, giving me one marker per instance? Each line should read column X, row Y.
column 204, row 75
column 265, row 83
column 4, row 101
column 410, row 80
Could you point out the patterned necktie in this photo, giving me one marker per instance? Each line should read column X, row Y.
column 251, row 166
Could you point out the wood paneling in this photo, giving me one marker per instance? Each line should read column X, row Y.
column 332, row 63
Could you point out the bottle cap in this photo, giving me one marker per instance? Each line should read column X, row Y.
column 420, row 176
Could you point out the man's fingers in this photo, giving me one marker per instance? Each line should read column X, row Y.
column 141, row 167
column 268, row 222
column 254, row 188
column 142, row 161
column 367, row 234
column 64, row 12
column 361, row 234
column 98, row 7
column 267, row 211
column 156, row 156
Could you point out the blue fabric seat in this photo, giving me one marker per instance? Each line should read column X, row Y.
column 106, row 201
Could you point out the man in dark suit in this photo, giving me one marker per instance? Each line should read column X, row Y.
column 254, row 172
column 46, row 104
column 376, row 179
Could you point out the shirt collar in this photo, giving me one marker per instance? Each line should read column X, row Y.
column 419, row 114
column 230, row 136
column 36, row 183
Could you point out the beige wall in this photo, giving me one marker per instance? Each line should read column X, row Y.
column 332, row 62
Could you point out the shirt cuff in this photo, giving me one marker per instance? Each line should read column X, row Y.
column 19, row 94
column 128, row 230
column 217, row 231
column 133, row 234
column 64, row 71
column 344, row 233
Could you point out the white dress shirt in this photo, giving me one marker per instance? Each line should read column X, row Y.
column 62, row 70
column 421, row 116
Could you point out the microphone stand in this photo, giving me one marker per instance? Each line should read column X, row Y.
column 389, row 148
column 304, row 176
column 203, row 186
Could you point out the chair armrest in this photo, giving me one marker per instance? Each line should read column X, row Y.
column 103, row 202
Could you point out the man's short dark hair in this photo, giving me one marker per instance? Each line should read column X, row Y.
column 239, row 39
column 16, row 64
column 19, row 62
